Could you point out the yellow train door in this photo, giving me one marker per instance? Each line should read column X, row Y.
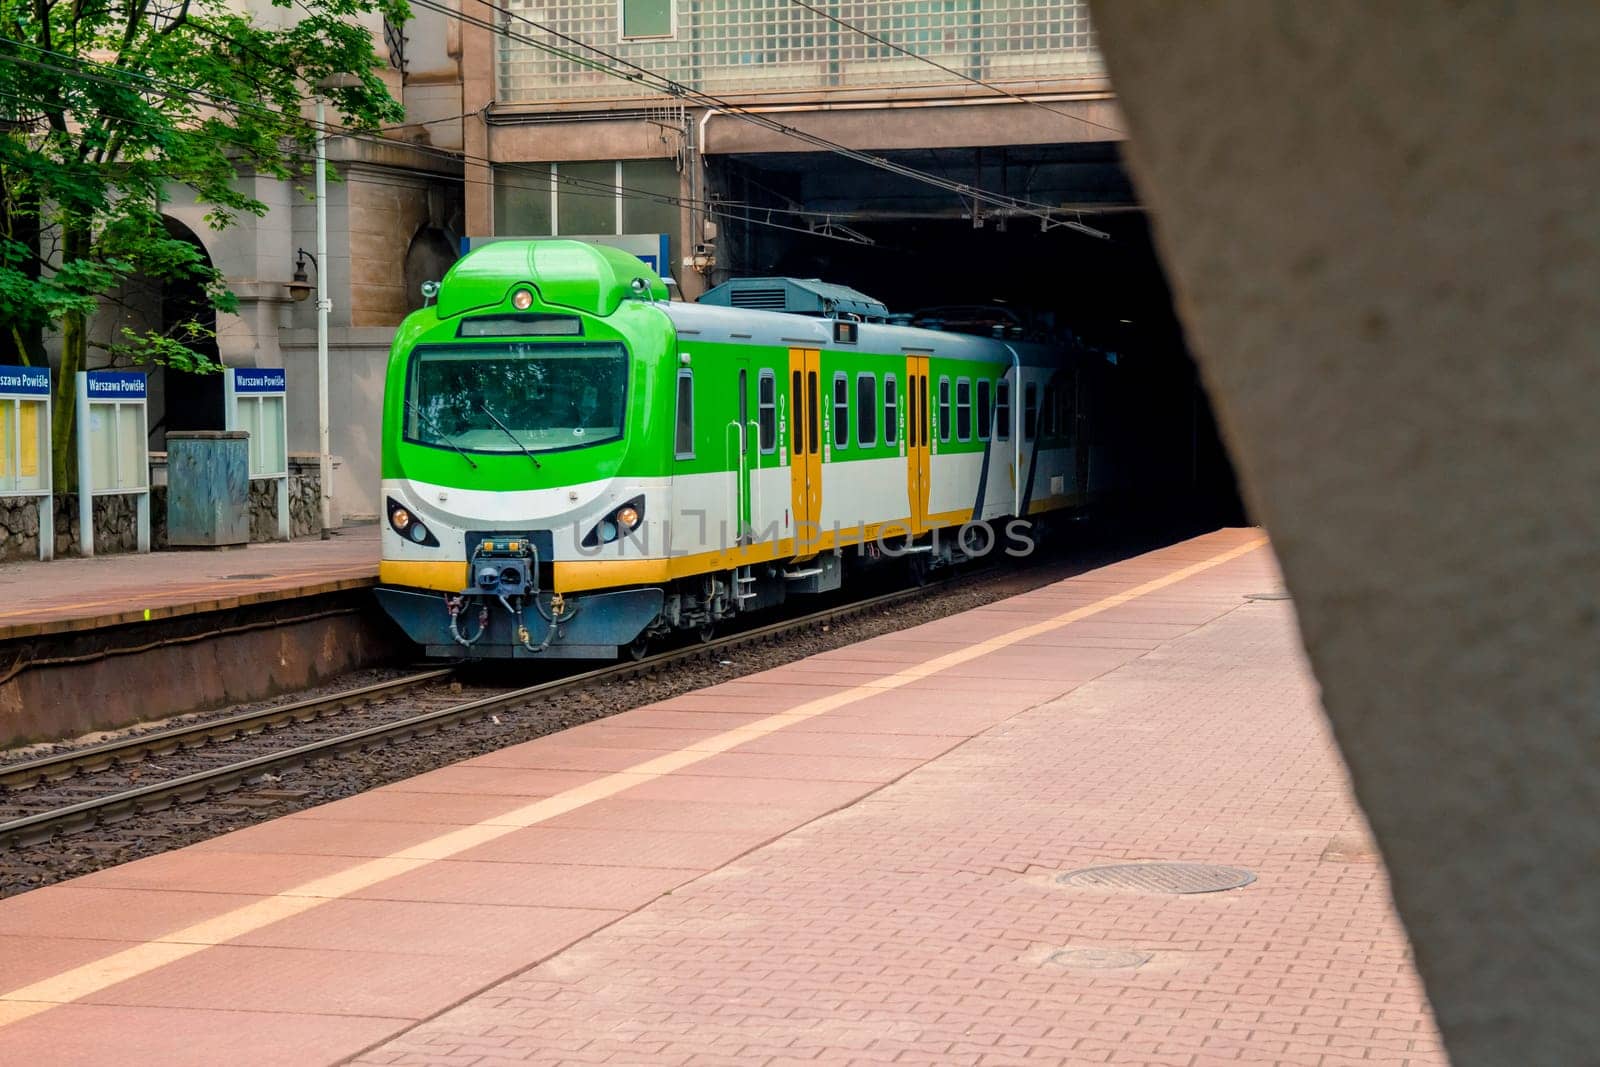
column 917, row 418
column 805, row 446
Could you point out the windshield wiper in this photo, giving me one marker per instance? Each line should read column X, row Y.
column 433, row 427
column 507, row 431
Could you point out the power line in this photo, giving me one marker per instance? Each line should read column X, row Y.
column 951, row 70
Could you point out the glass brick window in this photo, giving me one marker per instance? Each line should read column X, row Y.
column 739, row 46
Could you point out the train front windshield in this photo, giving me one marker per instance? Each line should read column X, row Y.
column 513, row 397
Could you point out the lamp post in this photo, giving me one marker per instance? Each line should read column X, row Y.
column 324, row 306
column 324, row 302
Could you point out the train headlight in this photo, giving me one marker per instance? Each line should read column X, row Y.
column 522, row 300
column 620, row 520
column 409, row 526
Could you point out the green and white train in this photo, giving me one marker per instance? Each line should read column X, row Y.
column 573, row 465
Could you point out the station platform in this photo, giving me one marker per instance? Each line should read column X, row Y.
column 857, row 857
column 69, row 594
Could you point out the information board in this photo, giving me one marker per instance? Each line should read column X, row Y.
column 25, row 445
column 113, row 448
column 256, row 402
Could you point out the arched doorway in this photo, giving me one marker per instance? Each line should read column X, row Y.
column 430, row 255
column 182, row 400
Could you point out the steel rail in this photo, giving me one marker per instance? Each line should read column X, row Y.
column 42, row 826
column 61, row 766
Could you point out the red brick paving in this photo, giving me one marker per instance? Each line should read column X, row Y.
column 720, row 914
column 914, row 926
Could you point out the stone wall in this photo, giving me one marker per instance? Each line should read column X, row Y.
column 115, row 517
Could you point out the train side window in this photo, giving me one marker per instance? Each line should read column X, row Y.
column 1047, row 412
column 744, row 411
column 797, row 441
column 1030, row 410
column 841, row 410
column 866, row 410
column 944, row 409
column 813, row 412
column 983, row 409
column 683, row 445
column 963, row 409
column 1002, row 410
column 767, row 411
column 891, row 409
column 913, row 406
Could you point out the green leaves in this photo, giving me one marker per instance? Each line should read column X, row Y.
column 118, row 104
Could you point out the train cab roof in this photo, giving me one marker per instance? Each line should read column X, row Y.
column 564, row 274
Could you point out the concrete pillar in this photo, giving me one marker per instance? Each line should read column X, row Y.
column 1383, row 226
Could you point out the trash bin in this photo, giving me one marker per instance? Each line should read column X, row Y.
column 208, row 488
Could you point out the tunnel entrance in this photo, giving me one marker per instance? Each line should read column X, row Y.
column 916, row 247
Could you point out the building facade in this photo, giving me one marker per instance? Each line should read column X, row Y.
column 719, row 122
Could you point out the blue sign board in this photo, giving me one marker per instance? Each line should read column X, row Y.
column 24, row 381
column 260, row 380
column 117, row 385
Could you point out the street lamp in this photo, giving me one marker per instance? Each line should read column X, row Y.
column 299, row 287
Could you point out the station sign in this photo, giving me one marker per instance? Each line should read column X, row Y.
column 113, row 448
column 260, row 380
column 256, row 401
column 117, row 385
column 27, row 382
column 25, row 463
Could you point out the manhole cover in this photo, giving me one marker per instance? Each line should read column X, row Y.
column 1277, row 594
column 1159, row 877
column 1098, row 959
column 245, row 577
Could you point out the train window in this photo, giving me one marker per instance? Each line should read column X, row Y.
column 891, row 409
column 866, row 410
column 983, row 409
column 813, row 414
column 1047, row 413
column 1002, row 410
column 944, row 409
column 1066, row 416
column 767, row 411
column 744, row 411
column 1030, row 410
column 797, row 442
column 683, row 444
column 964, row 409
column 841, row 410
column 912, row 407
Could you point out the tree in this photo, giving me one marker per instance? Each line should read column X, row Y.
column 108, row 105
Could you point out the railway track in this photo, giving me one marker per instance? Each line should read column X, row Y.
column 65, row 793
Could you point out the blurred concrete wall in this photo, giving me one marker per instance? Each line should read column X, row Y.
column 1383, row 225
